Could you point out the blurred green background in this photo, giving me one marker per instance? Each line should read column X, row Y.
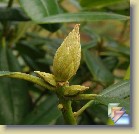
column 30, row 33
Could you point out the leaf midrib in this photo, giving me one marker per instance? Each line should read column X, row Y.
column 44, row 6
column 108, row 91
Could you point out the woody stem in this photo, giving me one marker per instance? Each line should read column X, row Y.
column 66, row 108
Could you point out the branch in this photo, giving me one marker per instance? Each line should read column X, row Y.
column 79, row 112
column 65, row 107
column 82, row 97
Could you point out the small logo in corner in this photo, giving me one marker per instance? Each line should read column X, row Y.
column 118, row 114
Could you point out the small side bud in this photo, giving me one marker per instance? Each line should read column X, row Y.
column 60, row 106
column 74, row 90
column 67, row 58
column 48, row 78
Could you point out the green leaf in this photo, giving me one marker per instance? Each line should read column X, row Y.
column 89, row 45
column 81, row 17
column 123, row 103
column 39, row 9
column 110, row 62
column 99, row 3
column 36, row 64
column 14, row 98
column 29, row 49
column 119, row 49
column 120, row 90
column 99, row 72
column 51, row 27
column 12, row 14
column 45, row 113
column 26, row 77
column 31, row 54
column 116, row 94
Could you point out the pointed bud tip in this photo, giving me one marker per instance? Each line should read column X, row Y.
column 76, row 28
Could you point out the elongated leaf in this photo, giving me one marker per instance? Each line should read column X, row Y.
column 38, row 9
column 44, row 114
column 116, row 94
column 82, row 17
column 120, row 90
column 12, row 14
column 14, row 98
column 99, row 3
column 110, row 62
column 113, row 94
column 98, row 70
column 31, row 54
column 123, row 103
column 26, row 77
column 30, row 50
column 114, row 46
column 89, row 45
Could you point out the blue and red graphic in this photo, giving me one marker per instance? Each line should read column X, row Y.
column 118, row 114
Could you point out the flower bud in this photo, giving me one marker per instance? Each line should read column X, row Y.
column 48, row 78
column 74, row 90
column 67, row 57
